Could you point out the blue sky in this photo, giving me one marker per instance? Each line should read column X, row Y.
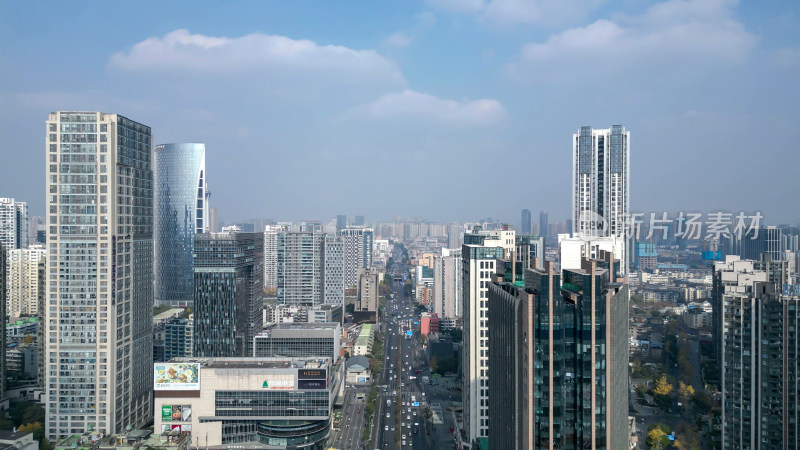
column 444, row 109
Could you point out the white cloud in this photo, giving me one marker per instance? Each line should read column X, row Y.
column 520, row 11
column 672, row 36
column 538, row 11
column 410, row 104
column 399, row 39
column 180, row 50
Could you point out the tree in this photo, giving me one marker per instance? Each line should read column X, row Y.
column 434, row 364
column 702, row 402
column 28, row 340
column 36, row 428
column 662, row 386
column 685, row 392
column 655, row 438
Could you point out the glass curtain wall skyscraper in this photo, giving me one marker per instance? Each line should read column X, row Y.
column 557, row 363
column 525, row 221
column 100, row 284
column 181, row 208
column 229, row 293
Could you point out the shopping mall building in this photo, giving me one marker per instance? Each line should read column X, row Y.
column 248, row 402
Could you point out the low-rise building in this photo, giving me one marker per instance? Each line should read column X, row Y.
column 267, row 403
column 325, row 312
column 429, row 323
column 131, row 440
column 22, row 360
column 22, row 328
column 18, row 440
column 358, row 371
column 364, row 341
column 299, row 340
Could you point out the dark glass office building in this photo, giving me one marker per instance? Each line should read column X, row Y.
column 558, row 358
column 228, row 293
column 525, row 222
column 181, row 210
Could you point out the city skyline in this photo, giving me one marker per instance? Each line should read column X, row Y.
column 416, row 87
column 370, row 271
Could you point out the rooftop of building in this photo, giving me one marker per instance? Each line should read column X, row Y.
column 23, row 321
column 299, row 329
column 168, row 314
column 11, row 436
column 364, row 335
column 134, row 439
column 357, row 363
column 258, row 363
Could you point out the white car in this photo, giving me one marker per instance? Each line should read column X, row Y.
column 386, row 428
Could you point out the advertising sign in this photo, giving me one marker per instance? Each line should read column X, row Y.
column 176, row 377
column 176, row 413
column 184, row 428
column 311, row 384
column 791, row 289
column 312, row 374
column 278, row 382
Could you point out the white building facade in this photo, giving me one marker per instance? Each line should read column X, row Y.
column 271, row 254
column 600, row 182
column 99, row 311
column 13, row 223
column 358, row 249
column 22, row 280
column 479, row 254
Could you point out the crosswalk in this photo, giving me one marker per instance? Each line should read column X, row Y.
column 437, row 415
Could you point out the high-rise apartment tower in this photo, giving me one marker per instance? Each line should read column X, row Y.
column 100, row 273
column 601, row 182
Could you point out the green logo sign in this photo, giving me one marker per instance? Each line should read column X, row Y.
column 265, row 385
column 166, row 413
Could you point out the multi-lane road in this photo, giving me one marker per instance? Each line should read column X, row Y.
column 348, row 436
column 399, row 421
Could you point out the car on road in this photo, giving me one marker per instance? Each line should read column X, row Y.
column 386, row 428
